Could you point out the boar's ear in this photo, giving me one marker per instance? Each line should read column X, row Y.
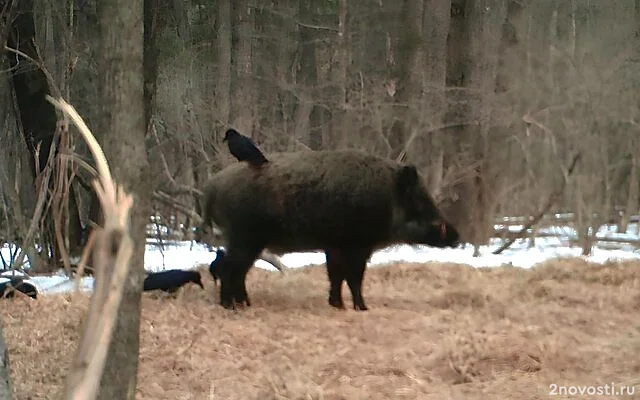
column 406, row 178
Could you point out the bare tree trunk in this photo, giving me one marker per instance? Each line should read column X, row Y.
column 458, row 111
column 435, row 28
column 342, row 56
column 436, row 19
column 474, row 40
column 242, row 91
column 633, row 196
column 410, row 81
column 152, row 16
column 489, row 19
column 5, row 382
column 122, row 135
column 182, row 20
column 31, row 85
column 223, row 86
column 308, row 116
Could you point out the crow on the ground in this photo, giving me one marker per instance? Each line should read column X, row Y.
column 9, row 287
column 243, row 148
column 172, row 280
column 214, row 264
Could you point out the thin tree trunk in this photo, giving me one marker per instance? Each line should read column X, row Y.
column 5, row 381
column 31, row 86
column 435, row 29
column 489, row 18
column 436, row 19
column 342, row 56
column 308, row 119
column 223, row 86
column 242, row 91
column 410, row 72
column 151, row 31
column 633, row 200
column 122, row 135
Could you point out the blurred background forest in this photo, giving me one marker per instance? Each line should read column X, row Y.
column 508, row 107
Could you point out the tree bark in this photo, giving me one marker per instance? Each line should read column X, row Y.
column 31, row 86
column 5, row 381
column 121, row 135
column 308, row 114
column 409, row 76
column 435, row 29
column 633, row 196
column 342, row 55
column 151, row 29
column 242, row 92
column 458, row 111
column 223, row 86
column 436, row 19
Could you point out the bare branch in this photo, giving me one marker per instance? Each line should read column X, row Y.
column 167, row 170
column 553, row 197
column 171, row 202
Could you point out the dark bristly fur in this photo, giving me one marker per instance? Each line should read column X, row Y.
column 243, row 148
column 8, row 288
column 171, row 280
column 347, row 203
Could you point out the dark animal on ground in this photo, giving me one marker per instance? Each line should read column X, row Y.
column 243, row 148
column 171, row 280
column 344, row 202
column 9, row 287
column 220, row 253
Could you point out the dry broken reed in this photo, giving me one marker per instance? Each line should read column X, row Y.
column 111, row 255
column 434, row 331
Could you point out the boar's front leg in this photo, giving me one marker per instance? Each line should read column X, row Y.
column 347, row 264
column 240, row 294
column 233, row 272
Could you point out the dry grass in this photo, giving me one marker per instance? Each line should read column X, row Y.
column 440, row 331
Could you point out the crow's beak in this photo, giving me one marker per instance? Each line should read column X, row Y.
column 201, row 285
column 224, row 140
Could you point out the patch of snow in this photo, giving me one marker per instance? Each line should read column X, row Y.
column 188, row 255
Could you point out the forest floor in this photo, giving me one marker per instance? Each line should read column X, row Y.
column 434, row 331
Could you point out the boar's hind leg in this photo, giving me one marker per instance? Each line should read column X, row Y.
column 240, row 294
column 355, row 265
column 232, row 274
column 335, row 272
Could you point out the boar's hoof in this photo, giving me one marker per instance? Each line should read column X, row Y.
column 243, row 301
column 227, row 301
column 337, row 303
column 360, row 307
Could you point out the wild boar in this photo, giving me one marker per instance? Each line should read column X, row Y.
column 346, row 203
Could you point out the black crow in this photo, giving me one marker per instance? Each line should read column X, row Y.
column 214, row 264
column 243, row 148
column 171, row 280
column 9, row 287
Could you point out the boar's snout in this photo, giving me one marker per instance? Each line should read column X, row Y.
column 443, row 234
